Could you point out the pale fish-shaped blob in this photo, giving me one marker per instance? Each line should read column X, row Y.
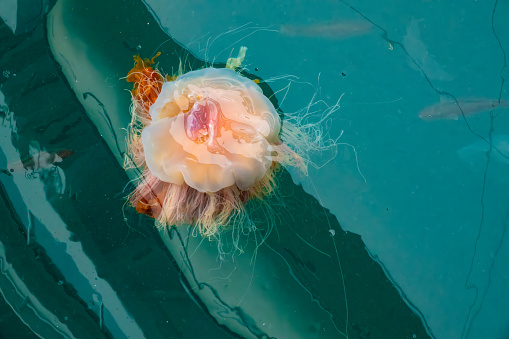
column 37, row 161
column 450, row 110
column 419, row 52
column 42, row 164
column 328, row 30
column 475, row 154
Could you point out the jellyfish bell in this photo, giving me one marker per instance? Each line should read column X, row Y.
column 207, row 142
column 211, row 129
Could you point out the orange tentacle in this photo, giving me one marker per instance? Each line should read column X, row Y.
column 147, row 82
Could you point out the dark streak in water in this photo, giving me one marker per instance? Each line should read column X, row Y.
column 131, row 49
column 6, row 172
column 106, row 117
column 14, row 216
column 68, row 66
column 43, row 128
column 307, row 265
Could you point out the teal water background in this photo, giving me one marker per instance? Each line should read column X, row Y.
column 419, row 208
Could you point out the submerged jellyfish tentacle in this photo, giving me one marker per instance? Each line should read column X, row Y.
column 207, row 142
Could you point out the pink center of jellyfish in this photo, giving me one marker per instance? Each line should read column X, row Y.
column 202, row 124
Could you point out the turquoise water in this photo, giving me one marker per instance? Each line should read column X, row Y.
column 401, row 234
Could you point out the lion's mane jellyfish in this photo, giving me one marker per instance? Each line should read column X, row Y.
column 206, row 142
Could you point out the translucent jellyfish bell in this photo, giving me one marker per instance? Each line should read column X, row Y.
column 211, row 129
column 207, row 142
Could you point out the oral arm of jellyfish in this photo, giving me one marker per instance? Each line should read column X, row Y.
column 206, row 142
